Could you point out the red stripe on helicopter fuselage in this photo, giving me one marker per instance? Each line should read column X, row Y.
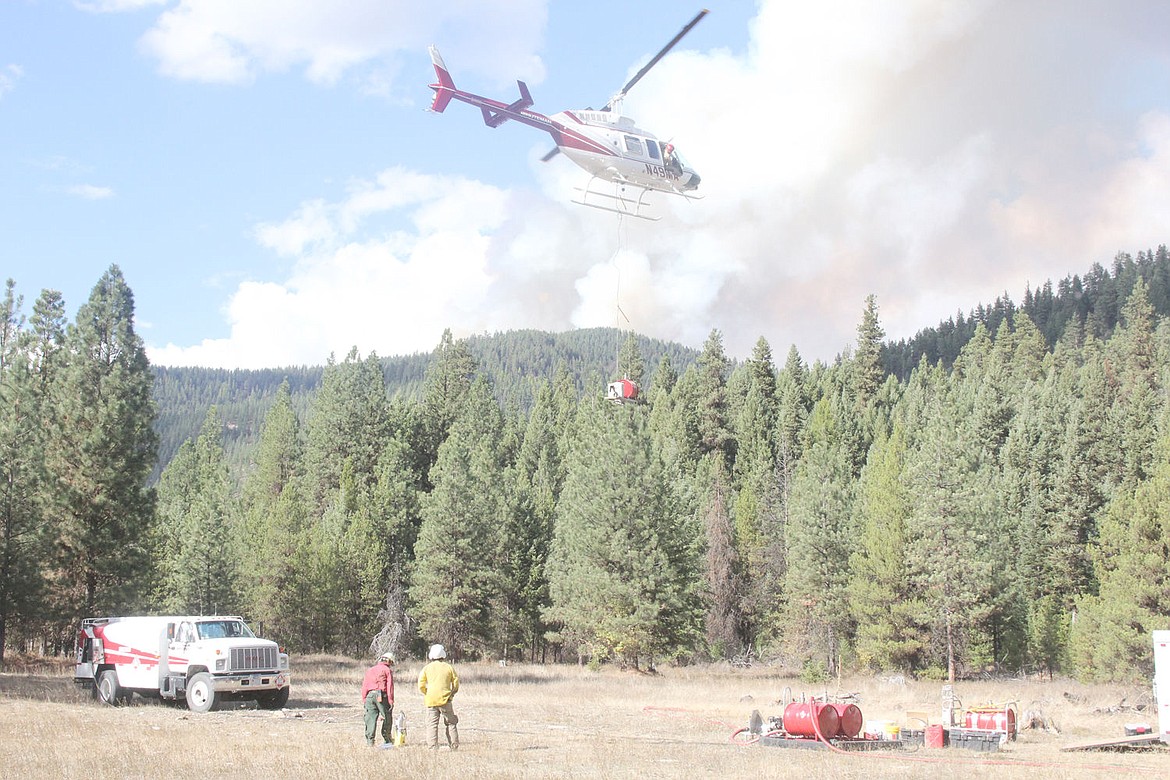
column 574, row 140
column 582, row 142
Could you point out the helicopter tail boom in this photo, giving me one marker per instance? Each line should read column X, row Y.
column 497, row 118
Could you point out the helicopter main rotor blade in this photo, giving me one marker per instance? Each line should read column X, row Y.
column 654, row 60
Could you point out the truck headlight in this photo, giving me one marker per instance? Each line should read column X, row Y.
column 220, row 664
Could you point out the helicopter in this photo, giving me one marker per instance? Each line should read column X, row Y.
column 610, row 146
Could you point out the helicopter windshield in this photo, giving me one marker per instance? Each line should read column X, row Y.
column 672, row 159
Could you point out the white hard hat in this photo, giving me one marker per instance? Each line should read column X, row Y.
column 387, row 657
column 437, row 652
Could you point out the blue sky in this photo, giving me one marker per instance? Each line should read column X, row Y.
column 266, row 176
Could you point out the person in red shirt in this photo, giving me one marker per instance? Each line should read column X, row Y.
column 378, row 697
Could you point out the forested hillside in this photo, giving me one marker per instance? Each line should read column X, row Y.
column 1004, row 505
column 514, row 363
column 1093, row 300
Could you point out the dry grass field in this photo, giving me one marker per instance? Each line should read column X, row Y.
column 538, row 722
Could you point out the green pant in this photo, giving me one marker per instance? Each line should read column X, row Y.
column 376, row 707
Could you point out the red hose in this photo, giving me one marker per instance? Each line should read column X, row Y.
column 751, row 741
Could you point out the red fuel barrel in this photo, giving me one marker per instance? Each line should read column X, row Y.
column 992, row 720
column 849, row 719
column 799, row 719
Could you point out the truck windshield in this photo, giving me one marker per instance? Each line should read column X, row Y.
column 218, row 629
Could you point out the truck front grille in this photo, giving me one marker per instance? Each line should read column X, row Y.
column 253, row 659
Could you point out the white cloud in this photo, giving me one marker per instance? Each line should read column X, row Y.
column 115, row 6
column 393, row 293
column 90, row 191
column 933, row 155
column 9, row 75
column 234, row 42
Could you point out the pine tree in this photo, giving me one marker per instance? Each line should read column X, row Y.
column 774, row 505
column 197, row 518
column 1036, row 551
column 867, row 358
column 755, row 423
column 448, row 380
column 819, row 535
column 882, row 600
column 101, row 448
column 1078, row 482
column 713, row 421
column 349, row 424
column 1131, row 561
column 354, row 544
column 755, row 499
column 396, row 517
column 1110, row 640
column 22, row 543
column 665, row 376
column 630, row 363
column 272, row 525
column 792, row 413
column 950, row 525
column 725, row 620
column 526, row 538
column 1135, row 414
column 991, row 407
column 674, row 423
column 454, row 581
column 1085, row 475
column 341, row 571
column 621, row 571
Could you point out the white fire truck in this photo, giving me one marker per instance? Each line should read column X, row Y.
column 204, row 660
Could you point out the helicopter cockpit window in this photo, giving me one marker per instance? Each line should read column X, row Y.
column 652, row 148
column 634, row 145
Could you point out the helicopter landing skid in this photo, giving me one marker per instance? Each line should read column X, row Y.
column 620, row 204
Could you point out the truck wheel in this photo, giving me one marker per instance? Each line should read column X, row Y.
column 108, row 690
column 201, row 693
column 273, row 701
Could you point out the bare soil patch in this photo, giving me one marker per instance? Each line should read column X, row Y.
column 546, row 722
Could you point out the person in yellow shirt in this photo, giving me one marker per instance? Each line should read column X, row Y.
column 439, row 683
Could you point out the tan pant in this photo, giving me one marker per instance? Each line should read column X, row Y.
column 450, row 721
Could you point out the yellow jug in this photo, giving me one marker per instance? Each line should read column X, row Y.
column 400, row 730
